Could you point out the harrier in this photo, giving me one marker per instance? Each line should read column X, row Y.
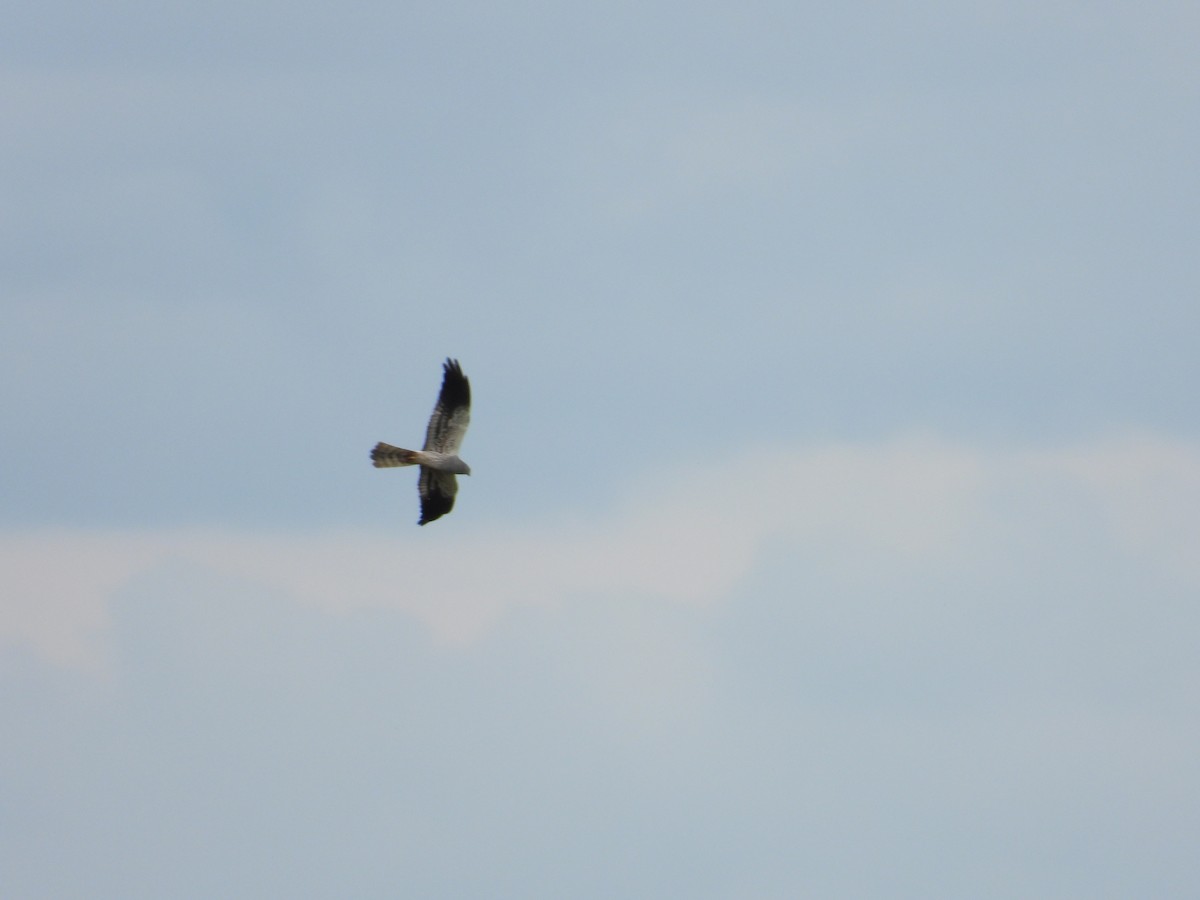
column 438, row 460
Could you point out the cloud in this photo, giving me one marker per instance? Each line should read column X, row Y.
column 974, row 664
column 905, row 643
column 62, row 582
column 859, row 513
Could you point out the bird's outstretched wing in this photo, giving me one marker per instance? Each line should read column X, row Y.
column 437, row 490
column 450, row 416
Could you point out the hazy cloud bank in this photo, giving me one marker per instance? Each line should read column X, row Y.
column 690, row 535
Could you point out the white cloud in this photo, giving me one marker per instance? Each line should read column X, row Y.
column 1145, row 489
column 875, row 511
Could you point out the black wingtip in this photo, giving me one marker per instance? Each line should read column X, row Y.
column 456, row 389
column 434, row 505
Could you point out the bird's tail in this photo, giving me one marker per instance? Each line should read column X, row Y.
column 385, row 456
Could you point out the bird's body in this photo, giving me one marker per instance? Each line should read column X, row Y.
column 439, row 460
column 386, row 456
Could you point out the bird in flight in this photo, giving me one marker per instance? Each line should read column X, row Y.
column 439, row 459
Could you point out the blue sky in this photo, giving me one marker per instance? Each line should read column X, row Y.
column 836, row 500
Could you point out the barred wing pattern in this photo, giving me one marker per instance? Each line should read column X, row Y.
column 452, row 413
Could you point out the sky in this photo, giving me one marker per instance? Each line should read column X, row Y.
column 834, row 521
